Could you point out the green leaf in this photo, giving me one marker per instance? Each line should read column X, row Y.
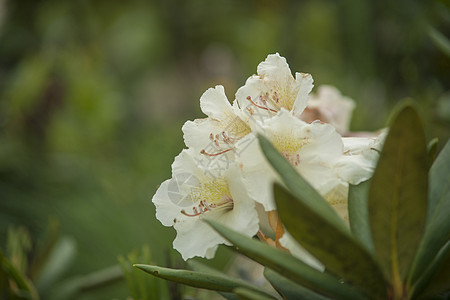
column 287, row 265
column 398, row 197
column 199, row 267
column 439, row 196
column 246, row 294
column 437, row 280
column 200, row 280
column 432, row 150
column 289, row 289
column 334, row 247
column 298, row 186
column 358, row 212
column 437, row 231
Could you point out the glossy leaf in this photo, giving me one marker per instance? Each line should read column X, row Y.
column 199, row 279
column 437, row 231
column 398, row 197
column 358, row 212
column 298, row 186
column 289, row 289
column 335, row 248
column 287, row 265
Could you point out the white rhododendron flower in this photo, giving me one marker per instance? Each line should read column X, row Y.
column 194, row 192
column 274, row 88
column 217, row 134
column 312, row 149
column 223, row 171
column 360, row 153
column 329, row 106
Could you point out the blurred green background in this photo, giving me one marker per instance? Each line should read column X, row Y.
column 93, row 95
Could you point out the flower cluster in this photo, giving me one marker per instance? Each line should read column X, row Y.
column 224, row 175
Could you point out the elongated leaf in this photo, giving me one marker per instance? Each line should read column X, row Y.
column 335, row 248
column 246, row 294
column 398, row 196
column 289, row 289
column 358, row 212
column 287, row 265
column 437, row 231
column 199, row 267
column 200, row 280
column 432, row 150
column 438, row 280
column 298, row 186
column 439, row 196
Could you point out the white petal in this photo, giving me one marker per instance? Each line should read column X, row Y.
column 329, row 106
column 166, row 210
column 322, row 177
column 326, row 144
column 355, row 169
column 275, row 67
column 338, row 199
column 197, row 133
column 196, row 238
column 360, row 159
column 306, row 84
column 214, row 103
column 275, row 88
column 258, row 174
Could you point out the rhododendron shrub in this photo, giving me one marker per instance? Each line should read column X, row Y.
column 342, row 215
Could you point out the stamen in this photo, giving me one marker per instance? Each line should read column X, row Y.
column 216, row 142
column 215, row 154
column 204, row 207
column 259, row 106
column 196, row 213
column 226, row 138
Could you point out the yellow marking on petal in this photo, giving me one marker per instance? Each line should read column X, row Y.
column 210, row 195
column 236, row 128
column 289, row 145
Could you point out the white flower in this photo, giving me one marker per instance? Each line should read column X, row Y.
column 329, row 106
column 274, row 88
column 215, row 136
column 356, row 165
column 360, row 157
column 195, row 192
column 312, row 149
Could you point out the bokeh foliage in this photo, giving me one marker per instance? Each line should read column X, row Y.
column 93, row 95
